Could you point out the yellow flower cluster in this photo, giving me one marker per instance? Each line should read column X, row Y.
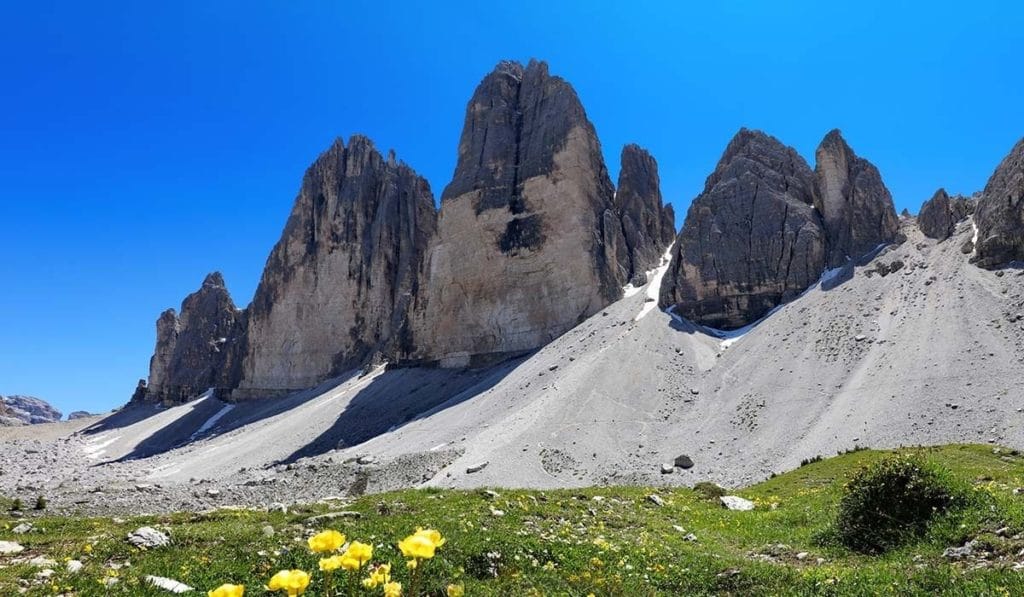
column 418, row 547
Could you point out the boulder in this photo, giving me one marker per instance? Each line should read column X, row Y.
column 10, row 548
column 683, row 461
column 148, row 537
column 751, row 240
column 732, row 502
column 999, row 215
column 79, row 414
column 520, row 254
column 339, row 285
column 853, row 202
column 940, row 214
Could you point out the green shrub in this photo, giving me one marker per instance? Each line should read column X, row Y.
column 17, row 505
column 40, row 503
column 709, row 490
column 892, row 501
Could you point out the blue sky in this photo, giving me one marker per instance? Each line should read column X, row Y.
column 144, row 144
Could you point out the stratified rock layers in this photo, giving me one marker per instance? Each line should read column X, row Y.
column 519, row 256
column 1000, row 213
column 339, row 284
column 751, row 240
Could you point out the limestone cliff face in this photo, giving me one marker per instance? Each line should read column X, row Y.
column 1000, row 213
column 751, row 240
column 520, row 253
column 197, row 350
column 854, row 203
column 648, row 226
column 338, row 285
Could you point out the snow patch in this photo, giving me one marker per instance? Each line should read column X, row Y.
column 95, row 447
column 654, row 277
column 213, row 420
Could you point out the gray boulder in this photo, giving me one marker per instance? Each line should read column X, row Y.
column 999, row 215
column 148, row 537
column 733, row 502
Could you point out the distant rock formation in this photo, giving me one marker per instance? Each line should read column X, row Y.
column 197, row 350
column 854, row 204
column 520, row 255
column 339, row 284
column 1000, row 213
column 26, row 410
column 940, row 214
column 646, row 225
column 751, row 240
column 79, row 414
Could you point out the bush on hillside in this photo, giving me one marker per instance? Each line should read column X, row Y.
column 891, row 502
column 709, row 490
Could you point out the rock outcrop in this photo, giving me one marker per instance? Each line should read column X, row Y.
column 80, row 414
column 940, row 214
column 647, row 225
column 854, row 204
column 339, row 284
column 198, row 349
column 999, row 215
column 520, row 254
column 751, row 240
column 26, row 410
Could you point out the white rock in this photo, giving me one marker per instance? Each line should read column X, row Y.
column 74, row 566
column 22, row 528
column 667, row 469
column 45, row 573
column 734, row 502
column 656, row 499
column 168, row 584
column 42, row 562
column 10, row 547
column 148, row 537
column 802, row 555
column 678, row 528
column 690, row 537
column 496, row 512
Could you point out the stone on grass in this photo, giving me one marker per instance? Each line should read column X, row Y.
column 733, row 502
column 148, row 537
column 10, row 547
column 169, row 584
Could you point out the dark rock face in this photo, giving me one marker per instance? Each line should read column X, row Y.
column 854, row 204
column 648, row 226
column 1000, row 213
column 79, row 414
column 940, row 214
column 27, row 410
column 197, row 350
column 520, row 254
column 751, row 241
column 339, row 284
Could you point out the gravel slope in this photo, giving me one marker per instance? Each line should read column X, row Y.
column 930, row 353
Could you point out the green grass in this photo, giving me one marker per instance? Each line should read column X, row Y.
column 602, row 540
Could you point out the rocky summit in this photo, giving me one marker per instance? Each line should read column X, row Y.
column 26, row 410
column 854, row 204
column 1000, row 213
column 339, row 285
column 751, row 240
column 519, row 256
column 940, row 214
column 767, row 226
column 198, row 349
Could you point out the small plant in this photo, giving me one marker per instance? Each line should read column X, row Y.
column 811, row 460
column 892, row 501
column 41, row 503
column 709, row 490
column 855, row 448
column 17, row 505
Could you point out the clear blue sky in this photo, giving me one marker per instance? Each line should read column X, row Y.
column 143, row 144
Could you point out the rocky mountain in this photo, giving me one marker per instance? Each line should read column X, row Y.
column 26, row 410
column 198, row 349
column 646, row 226
column 854, row 204
column 522, row 251
column 751, row 241
column 339, row 285
column 1000, row 213
column 940, row 214
column 766, row 227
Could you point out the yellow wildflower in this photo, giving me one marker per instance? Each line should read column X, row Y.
column 456, row 591
column 227, row 591
column 87, row 548
column 381, row 575
column 330, row 564
column 326, row 542
column 421, row 544
column 393, row 589
column 360, row 552
column 294, row 582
